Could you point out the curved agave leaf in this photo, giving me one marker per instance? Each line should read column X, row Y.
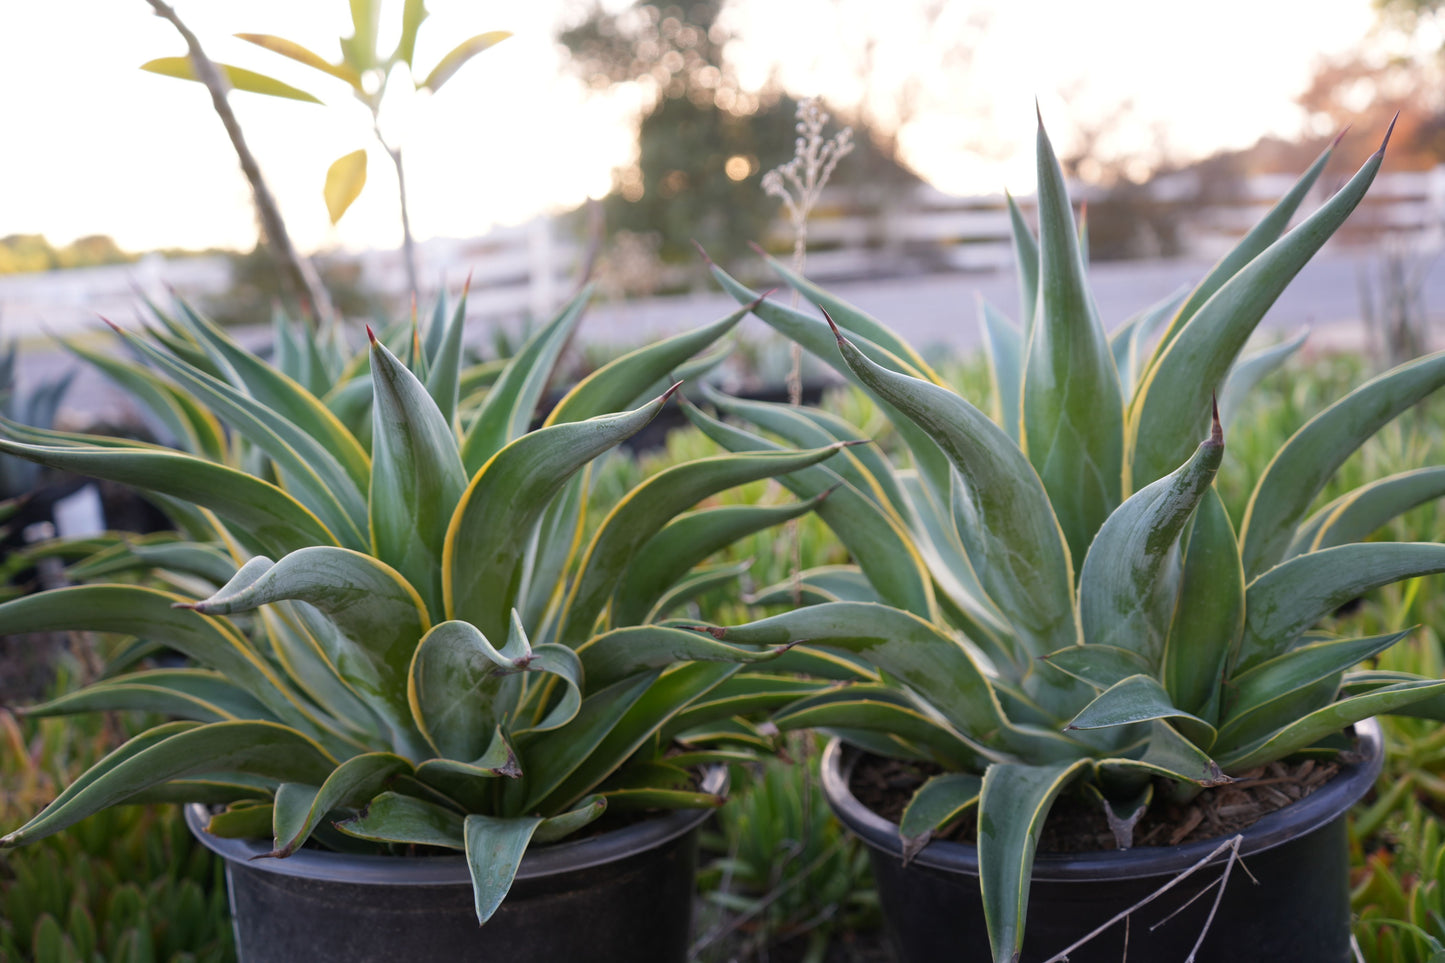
column 1073, row 411
column 506, row 412
column 1303, row 466
column 145, row 612
column 198, row 694
column 1168, row 753
column 1307, row 730
column 1008, row 526
column 1173, row 399
column 264, row 513
column 380, row 619
column 1285, row 601
column 644, row 511
column 1131, row 575
column 939, row 801
column 489, row 533
column 306, row 466
column 1356, row 515
column 1264, row 234
column 695, row 583
column 616, row 655
column 1208, row 620
column 1264, row 699
column 1128, row 339
column 444, row 356
column 826, row 583
column 1250, row 370
column 495, row 847
column 879, row 708
column 1026, row 258
column 416, row 476
column 259, row 748
column 548, row 557
column 391, row 817
column 472, row 784
column 299, row 808
column 1101, row 666
column 1140, row 698
column 669, row 556
column 1012, row 806
column 1003, row 346
column 292, row 631
column 621, row 382
column 147, row 553
column 915, row 653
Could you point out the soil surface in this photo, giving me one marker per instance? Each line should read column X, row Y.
column 1077, row 824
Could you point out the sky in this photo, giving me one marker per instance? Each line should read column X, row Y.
column 93, row 145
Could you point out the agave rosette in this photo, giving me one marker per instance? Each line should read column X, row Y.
column 1056, row 594
column 402, row 635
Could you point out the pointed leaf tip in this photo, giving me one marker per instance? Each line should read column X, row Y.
column 832, row 324
column 757, row 249
column 702, row 252
column 113, row 326
column 1340, row 136
column 467, row 284
column 1388, row 131
column 371, row 335
column 671, row 391
column 1216, row 430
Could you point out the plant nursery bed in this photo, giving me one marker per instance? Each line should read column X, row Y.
column 1078, row 825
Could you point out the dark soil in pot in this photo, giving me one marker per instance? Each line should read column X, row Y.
column 623, row 895
column 1297, row 911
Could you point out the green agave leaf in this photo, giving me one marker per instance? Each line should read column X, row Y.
column 258, row 748
column 304, row 463
column 1264, row 234
column 816, row 338
column 300, row 808
column 667, row 559
column 488, row 536
column 197, row 694
column 1101, row 666
column 242, row 820
column 1307, row 461
column 1012, row 806
column 193, row 427
column 938, row 802
column 865, row 707
column 507, row 410
column 1172, row 400
column 472, row 784
column 144, row 554
column 621, row 653
column 495, row 847
column 644, row 511
column 272, row 389
column 1132, row 573
column 1355, row 516
column 457, row 57
column 416, row 476
column 237, row 77
column 1003, row 346
column 872, row 536
column 746, row 693
column 853, row 319
column 1359, row 683
column 1073, row 411
column 663, row 697
column 1322, row 722
column 1261, row 699
column 1168, row 753
column 1026, row 257
column 1127, row 340
column 379, row 617
column 565, row 824
column 1250, row 370
column 1139, row 698
column 558, row 538
column 622, row 382
column 1208, row 620
column 393, row 818
column 298, row 53
column 1007, row 524
column 145, row 612
column 1285, row 601
column 826, row 583
column 914, row 653
column 266, row 515
column 294, row 634
column 444, row 357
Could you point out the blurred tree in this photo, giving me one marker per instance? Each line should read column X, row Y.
column 704, row 141
column 26, row 253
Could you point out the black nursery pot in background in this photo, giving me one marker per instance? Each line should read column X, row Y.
column 1299, row 912
column 622, row 895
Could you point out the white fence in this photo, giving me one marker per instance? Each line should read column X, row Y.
column 527, row 270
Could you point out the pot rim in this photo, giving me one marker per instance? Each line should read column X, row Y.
column 1324, row 805
column 381, row 870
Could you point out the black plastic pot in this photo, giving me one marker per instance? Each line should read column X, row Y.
column 1298, row 913
column 621, row 895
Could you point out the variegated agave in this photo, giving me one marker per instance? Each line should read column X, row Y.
column 1057, row 595
column 437, row 655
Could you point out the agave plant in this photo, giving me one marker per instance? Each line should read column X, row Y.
column 411, row 642
column 1056, row 596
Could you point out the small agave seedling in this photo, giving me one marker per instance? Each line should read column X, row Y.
column 1057, row 596
column 436, row 655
